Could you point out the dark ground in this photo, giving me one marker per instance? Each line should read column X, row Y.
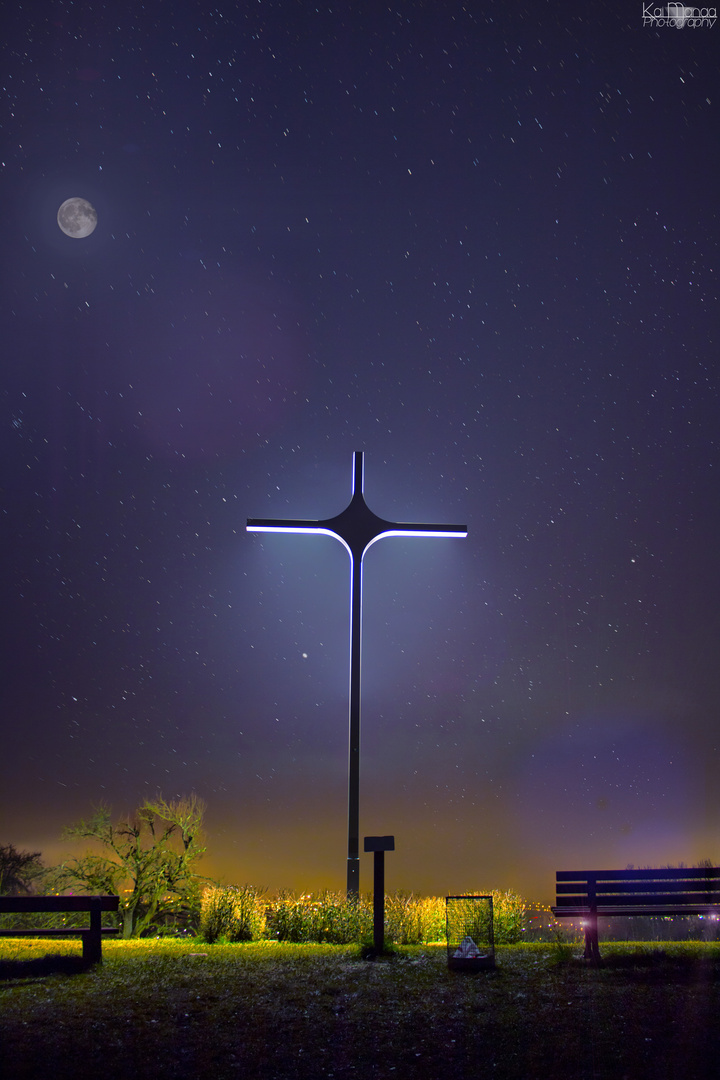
column 160, row 1010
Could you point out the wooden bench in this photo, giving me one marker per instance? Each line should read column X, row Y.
column 585, row 894
column 91, row 935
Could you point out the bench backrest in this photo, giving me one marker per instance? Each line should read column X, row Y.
column 58, row 903
column 687, row 887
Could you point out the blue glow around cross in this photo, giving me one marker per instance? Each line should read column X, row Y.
column 358, row 528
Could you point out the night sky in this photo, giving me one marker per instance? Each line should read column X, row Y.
column 478, row 243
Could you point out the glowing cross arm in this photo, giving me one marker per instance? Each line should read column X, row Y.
column 355, row 541
column 393, row 528
column 279, row 525
column 357, row 527
column 288, row 525
column 409, row 528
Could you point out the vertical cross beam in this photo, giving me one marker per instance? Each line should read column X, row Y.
column 357, row 528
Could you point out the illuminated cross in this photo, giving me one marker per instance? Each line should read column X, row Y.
column 357, row 528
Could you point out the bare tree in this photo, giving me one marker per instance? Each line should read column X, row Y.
column 19, row 870
column 147, row 858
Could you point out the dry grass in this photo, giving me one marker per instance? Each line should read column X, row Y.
column 167, row 1009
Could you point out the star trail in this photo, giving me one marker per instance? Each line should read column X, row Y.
column 481, row 246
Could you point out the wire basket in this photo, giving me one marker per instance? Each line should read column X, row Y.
column 469, row 930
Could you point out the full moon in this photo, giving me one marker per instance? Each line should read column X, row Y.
column 77, row 218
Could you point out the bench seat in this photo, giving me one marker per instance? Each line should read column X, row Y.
column 91, row 935
column 650, row 909
column 665, row 891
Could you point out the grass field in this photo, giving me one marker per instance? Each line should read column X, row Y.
column 168, row 1009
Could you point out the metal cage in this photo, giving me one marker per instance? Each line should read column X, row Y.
column 469, row 930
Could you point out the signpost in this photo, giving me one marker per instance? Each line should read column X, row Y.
column 379, row 845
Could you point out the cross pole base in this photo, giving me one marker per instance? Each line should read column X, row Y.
column 353, row 878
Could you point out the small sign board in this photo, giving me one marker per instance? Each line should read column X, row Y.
column 379, row 843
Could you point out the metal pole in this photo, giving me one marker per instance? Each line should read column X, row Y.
column 353, row 857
